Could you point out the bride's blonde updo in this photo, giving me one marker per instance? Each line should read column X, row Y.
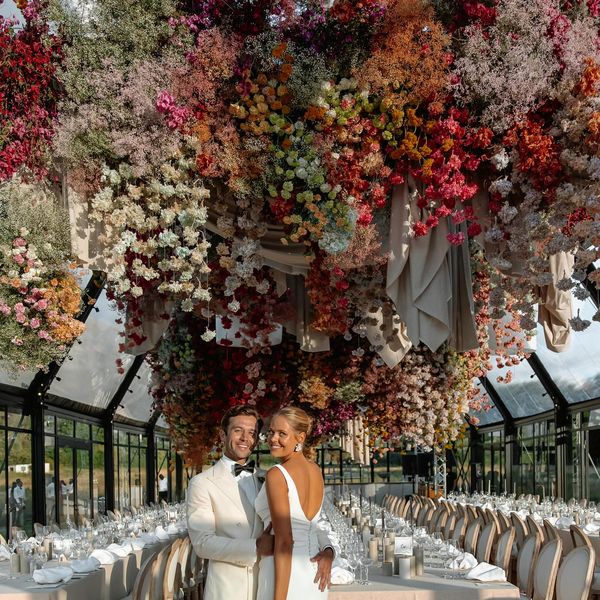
column 300, row 422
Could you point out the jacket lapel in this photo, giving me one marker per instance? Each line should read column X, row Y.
column 229, row 486
column 259, row 480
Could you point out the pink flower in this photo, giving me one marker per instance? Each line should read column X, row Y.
column 19, row 307
column 41, row 304
column 44, row 335
column 34, row 323
column 20, row 318
column 4, row 308
column 19, row 242
column 18, row 259
column 17, row 341
column 456, row 239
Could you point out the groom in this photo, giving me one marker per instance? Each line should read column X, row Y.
column 222, row 523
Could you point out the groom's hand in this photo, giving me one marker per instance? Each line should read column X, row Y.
column 265, row 543
column 324, row 561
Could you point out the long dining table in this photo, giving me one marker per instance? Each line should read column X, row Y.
column 108, row 582
column 430, row 586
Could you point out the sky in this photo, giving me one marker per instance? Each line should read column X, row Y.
column 9, row 9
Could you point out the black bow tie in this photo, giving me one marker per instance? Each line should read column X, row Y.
column 248, row 467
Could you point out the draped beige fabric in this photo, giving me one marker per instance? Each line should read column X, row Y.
column 556, row 306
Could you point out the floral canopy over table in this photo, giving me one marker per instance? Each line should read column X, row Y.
column 348, row 205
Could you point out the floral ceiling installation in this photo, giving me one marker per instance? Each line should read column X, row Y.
column 404, row 187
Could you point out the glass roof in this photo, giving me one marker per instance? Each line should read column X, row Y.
column 576, row 372
column 91, row 377
column 524, row 396
column 21, row 380
column 137, row 402
column 485, row 417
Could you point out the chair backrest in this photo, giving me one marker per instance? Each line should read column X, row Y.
column 472, row 536
column 504, row 521
column 535, row 526
column 156, row 586
column 504, row 549
column 439, row 519
column 485, row 542
column 575, row 574
column 551, row 531
column 168, row 583
column 546, row 569
column 143, row 580
column 492, row 517
column 449, row 527
column 521, row 530
column 458, row 533
column 185, row 549
column 425, row 515
column 580, row 537
column 402, row 508
column 481, row 515
column 525, row 562
column 472, row 511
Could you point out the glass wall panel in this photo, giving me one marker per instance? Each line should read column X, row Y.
column 576, row 372
column 83, row 493
column 19, row 479
column 481, row 418
column 98, row 486
column 51, row 488
column 524, row 396
column 94, row 360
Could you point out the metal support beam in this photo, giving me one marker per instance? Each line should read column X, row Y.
column 439, row 472
column 150, row 464
column 476, row 457
column 509, row 422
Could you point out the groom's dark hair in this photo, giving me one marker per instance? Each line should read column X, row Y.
column 241, row 409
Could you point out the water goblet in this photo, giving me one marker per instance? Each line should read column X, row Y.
column 366, row 562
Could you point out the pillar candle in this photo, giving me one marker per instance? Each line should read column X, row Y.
column 388, row 552
column 373, row 550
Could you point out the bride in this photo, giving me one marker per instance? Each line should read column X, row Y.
column 291, row 501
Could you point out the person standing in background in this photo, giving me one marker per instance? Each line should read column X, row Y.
column 163, row 488
column 18, row 493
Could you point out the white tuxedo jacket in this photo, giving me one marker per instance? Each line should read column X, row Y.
column 223, row 527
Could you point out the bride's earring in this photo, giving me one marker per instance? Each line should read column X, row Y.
column 298, row 447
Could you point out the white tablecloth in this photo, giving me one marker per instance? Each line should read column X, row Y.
column 430, row 586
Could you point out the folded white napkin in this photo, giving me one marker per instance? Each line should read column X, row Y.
column 5, row 552
column 486, row 572
column 552, row 520
column 120, row 551
column 591, row 528
column 564, row 522
column 403, row 545
column 537, row 517
column 53, row 575
column 161, row 534
column 149, row 538
column 338, row 561
column 85, row 566
column 33, row 541
column 137, row 543
column 104, row 556
column 172, row 529
column 340, row 576
column 463, row 561
column 453, row 551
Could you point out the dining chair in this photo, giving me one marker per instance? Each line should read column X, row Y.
column 403, row 508
column 525, row 563
column 473, row 516
column 485, row 542
column 504, row 521
column 533, row 525
column 521, row 530
column 141, row 586
column 460, row 528
column 472, row 536
column 492, row 517
column 551, row 531
column 156, row 585
column 425, row 515
column 546, row 569
column 580, row 537
column 575, row 574
column 449, row 526
column 481, row 515
column 169, row 587
column 438, row 520
column 504, row 549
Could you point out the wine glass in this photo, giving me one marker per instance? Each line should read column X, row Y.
column 366, row 561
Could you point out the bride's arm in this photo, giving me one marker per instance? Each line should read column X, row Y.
column 279, row 506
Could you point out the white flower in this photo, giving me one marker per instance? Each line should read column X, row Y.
column 209, row 335
column 187, row 305
column 500, row 160
column 501, row 186
column 234, row 306
column 201, row 294
column 136, row 291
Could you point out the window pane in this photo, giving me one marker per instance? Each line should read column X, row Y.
column 99, row 489
column 94, row 360
column 524, row 395
column 49, row 424
column 82, row 431
column 82, row 487
column 65, row 427
column 16, row 418
column 98, row 433
column 138, row 404
column 3, row 491
column 49, row 456
column 576, row 371
column 19, row 479
column 123, row 477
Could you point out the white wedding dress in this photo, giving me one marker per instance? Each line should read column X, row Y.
column 306, row 545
